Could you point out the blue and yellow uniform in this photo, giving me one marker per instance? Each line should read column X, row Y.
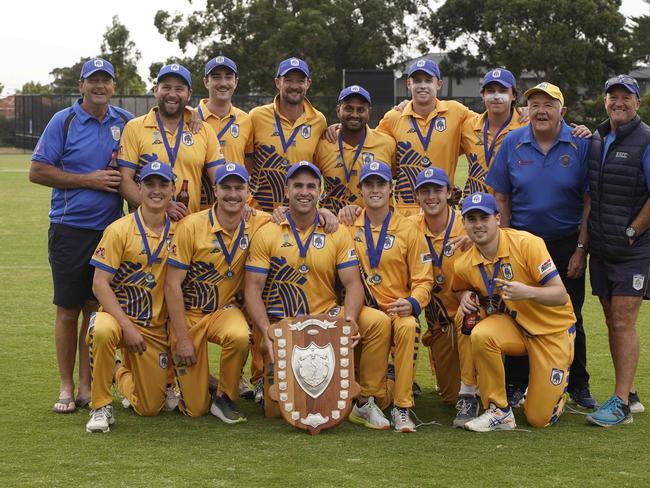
column 234, row 131
column 142, row 143
column 143, row 377
column 209, row 293
column 276, row 148
column 520, row 327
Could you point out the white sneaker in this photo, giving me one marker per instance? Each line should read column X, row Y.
column 402, row 420
column 126, row 403
column 101, row 419
column 635, row 403
column 245, row 391
column 171, row 399
column 493, row 419
column 369, row 415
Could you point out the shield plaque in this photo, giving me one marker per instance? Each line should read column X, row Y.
column 313, row 374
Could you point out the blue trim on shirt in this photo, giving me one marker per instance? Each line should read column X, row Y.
column 548, row 277
column 416, row 306
column 216, row 163
column 255, row 269
column 102, row 266
column 127, row 164
column 347, row 264
column 177, row 264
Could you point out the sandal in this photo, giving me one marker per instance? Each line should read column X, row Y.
column 64, row 405
column 82, row 402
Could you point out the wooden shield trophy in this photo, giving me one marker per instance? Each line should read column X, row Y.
column 313, row 374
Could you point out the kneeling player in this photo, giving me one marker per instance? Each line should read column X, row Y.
column 291, row 271
column 206, row 271
column 129, row 278
column 525, row 310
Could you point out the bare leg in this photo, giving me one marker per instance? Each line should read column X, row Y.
column 65, row 338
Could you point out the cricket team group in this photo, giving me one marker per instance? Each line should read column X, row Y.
column 239, row 220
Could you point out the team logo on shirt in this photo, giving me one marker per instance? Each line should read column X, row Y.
column 100, row 252
column 367, row 158
column 621, row 154
column 163, row 360
column 115, row 132
column 637, row 282
column 305, row 132
column 318, row 240
column 357, row 238
column 546, row 266
column 352, row 254
column 506, row 269
column 234, row 130
column 440, row 124
column 156, row 138
column 286, row 242
column 426, row 258
column 187, row 138
column 243, row 243
column 168, row 244
column 389, row 241
column 557, row 375
column 565, row 159
column 216, row 248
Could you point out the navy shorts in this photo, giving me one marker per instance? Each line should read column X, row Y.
column 619, row 278
column 69, row 251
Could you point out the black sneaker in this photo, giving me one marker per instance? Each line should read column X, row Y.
column 582, row 397
column 466, row 410
column 516, row 395
column 417, row 391
column 224, row 409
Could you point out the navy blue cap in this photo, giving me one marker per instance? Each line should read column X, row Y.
column 626, row 81
column 480, row 201
column 175, row 69
column 156, row 168
column 291, row 64
column 501, row 76
column 220, row 61
column 231, row 169
column 432, row 176
column 302, row 165
column 97, row 64
column 355, row 90
column 426, row 65
column 376, row 168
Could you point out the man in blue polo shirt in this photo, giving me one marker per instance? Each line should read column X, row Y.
column 77, row 157
column 540, row 179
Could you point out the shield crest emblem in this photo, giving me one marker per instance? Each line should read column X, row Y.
column 318, row 240
column 506, row 269
column 389, row 241
column 367, row 158
column 234, row 130
column 187, row 138
column 440, row 124
column 115, row 132
column 313, row 376
column 305, row 132
column 243, row 243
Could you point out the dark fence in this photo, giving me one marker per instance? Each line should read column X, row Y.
column 33, row 112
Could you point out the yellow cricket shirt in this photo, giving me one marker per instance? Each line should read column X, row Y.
column 234, row 131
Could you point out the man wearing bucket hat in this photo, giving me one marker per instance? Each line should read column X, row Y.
column 284, row 133
column 540, row 179
column 130, row 265
column 165, row 134
column 356, row 145
column 76, row 156
column 509, row 278
column 619, row 241
column 206, row 272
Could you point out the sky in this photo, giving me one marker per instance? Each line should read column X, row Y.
column 37, row 36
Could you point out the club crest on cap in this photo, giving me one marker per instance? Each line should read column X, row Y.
column 428, row 173
column 155, row 165
column 543, row 85
column 303, row 163
column 354, row 88
column 294, row 62
column 420, row 63
column 374, row 166
column 230, row 167
column 219, row 59
column 98, row 63
column 476, row 199
column 496, row 73
column 174, row 67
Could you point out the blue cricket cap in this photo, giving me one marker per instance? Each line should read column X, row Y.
column 156, row 168
column 175, row 69
column 425, row 65
column 480, row 201
column 291, row 64
column 626, row 81
column 94, row 65
column 499, row 75
column 218, row 62
column 355, row 90
column 302, row 165
column 431, row 176
column 376, row 168
column 231, row 169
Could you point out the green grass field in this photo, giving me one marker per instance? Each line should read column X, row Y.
column 40, row 448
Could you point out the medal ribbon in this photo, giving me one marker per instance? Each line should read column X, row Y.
column 438, row 259
column 490, row 151
column 490, row 284
column 172, row 155
column 303, row 247
column 374, row 253
column 423, row 140
column 348, row 172
column 151, row 258
column 225, row 127
column 285, row 143
column 228, row 255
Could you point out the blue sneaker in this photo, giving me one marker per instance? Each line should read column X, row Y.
column 582, row 397
column 612, row 412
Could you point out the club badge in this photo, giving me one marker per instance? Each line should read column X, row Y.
column 187, row 138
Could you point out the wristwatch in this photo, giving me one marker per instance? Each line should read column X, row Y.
column 630, row 232
column 581, row 245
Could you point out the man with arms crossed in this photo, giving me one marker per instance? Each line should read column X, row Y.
column 73, row 156
column 291, row 270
